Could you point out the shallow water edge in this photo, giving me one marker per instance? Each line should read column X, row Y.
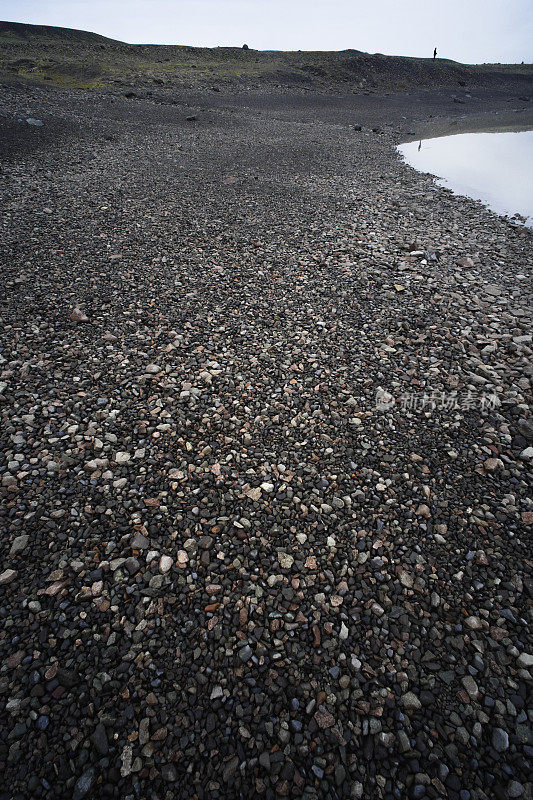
column 494, row 167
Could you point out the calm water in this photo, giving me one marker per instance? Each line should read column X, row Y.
column 496, row 168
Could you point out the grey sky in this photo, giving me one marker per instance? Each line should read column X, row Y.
column 465, row 30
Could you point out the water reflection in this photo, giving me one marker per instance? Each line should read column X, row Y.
column 496, row 168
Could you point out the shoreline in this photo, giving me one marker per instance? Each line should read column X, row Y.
column 503, row 197
column 507, row 121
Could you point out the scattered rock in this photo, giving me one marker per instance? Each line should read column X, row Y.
column 525, row 660
column 286, row 561
column 77, row 315
column 84, row 784
column 8, row 576
column 474, row 623
column 233, row 567
column 324, row 719
column 500, row 740
column 409, row 700
column 165, row 564
column 99, row 740
column 19, row 545
column 406, row 579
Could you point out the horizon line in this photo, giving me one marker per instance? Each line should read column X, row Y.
column 245, row 47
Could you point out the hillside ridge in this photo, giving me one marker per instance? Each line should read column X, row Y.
column 70, row 58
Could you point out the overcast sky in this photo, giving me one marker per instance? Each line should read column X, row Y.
column 471, row 31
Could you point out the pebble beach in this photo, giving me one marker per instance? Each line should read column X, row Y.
column 266, row 456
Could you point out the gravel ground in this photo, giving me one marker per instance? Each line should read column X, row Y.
column 232, row 565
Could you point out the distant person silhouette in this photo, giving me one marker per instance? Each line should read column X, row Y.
column 420, row 145
column 434, row 54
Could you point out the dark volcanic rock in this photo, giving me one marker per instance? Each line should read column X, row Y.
column 265, row 520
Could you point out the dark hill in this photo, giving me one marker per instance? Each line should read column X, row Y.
column 79, row 59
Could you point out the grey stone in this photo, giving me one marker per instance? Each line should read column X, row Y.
column 139, row 541
column 7, row 576
column 403, row 741
column 525, row 660
column 19, row 544
column 245, row 653
column 500, row 740
column 410, row 701
column 230, row 768
column 84, row 784
column 168, row 773
column 470, row 686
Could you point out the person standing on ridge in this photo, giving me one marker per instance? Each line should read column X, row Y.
column 434, row 54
